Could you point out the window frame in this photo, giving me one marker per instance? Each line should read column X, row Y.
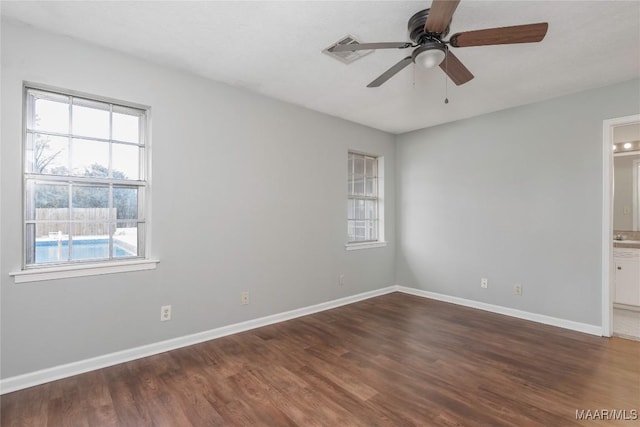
column 80, row 267
column 379, row 199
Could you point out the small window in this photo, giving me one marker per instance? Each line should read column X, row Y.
column 84, row 179
column 364, row 207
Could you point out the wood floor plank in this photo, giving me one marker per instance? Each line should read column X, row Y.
column 29, row 408
column 394, row 360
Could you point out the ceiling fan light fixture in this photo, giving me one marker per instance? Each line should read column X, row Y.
column 430, row 55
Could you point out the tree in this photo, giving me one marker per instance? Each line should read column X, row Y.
column 125, row 199
column 42, row 156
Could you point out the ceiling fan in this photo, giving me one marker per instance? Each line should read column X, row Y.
column 429, row 27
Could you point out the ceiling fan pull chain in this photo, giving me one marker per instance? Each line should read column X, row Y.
column 414, row 76
column 446, row 77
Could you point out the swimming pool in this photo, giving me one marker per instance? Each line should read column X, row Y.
column 82, row 249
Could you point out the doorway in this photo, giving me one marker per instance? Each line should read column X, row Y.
column 608, row 273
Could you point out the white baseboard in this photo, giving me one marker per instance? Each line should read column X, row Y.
column 31, row 379
column 520, row 314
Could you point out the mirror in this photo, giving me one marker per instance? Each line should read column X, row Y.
column 626, row 167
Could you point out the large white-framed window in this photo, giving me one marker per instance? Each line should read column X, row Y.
column 365, row 207
column 84, row 180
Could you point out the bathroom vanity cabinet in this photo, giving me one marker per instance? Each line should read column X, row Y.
column 627, row 276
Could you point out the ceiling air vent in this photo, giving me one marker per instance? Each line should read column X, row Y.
column 346, row 57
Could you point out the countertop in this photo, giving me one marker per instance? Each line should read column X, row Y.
column 628, row 244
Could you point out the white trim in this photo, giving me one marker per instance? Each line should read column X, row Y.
column 367, row 245
column 520, row 314
column 381, row 211
column 30, row 379
column 81, row 270
column 607, row 217
column 636, row 208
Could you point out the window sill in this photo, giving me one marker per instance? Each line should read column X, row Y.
column 367, row 245
column 81, row 270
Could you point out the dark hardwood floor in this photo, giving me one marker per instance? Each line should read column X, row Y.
column 393, row 360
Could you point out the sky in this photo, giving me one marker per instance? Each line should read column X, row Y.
column 89, row 120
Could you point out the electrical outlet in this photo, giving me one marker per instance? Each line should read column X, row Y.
column 341, row 280
column 518, row 289
column 484, row 283
column 165, row 313
column 244, row 297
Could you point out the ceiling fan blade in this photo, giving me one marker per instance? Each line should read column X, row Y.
column 529, row 33
column 391, row 72
column 440, row 15
column 455, row 69
column 368, row 46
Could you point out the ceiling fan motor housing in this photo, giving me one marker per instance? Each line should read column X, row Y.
column 416, row 28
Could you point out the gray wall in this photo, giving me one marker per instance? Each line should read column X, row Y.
column 514, row 196
column 248, row 194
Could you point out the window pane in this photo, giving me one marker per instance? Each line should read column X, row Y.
column 125, row 239
column 90, row 158
column 362, row 231
column 47, row 202
column 359, row 164
column 351, row 209
column 51, row 115
column 372, row 230
column 48, row 205
column 126, row 125
column 47, row 154
column 360, row 209
column 359, row 230
column 90, row 241
column 372, row 190
column 125, row 161
column 350, row 165
column 125, row 202
column 370, row 166
column 90, row 203
column 351, row 231
column 358, row 187
column 90, row 118
column 51, row 242
column 370, row 209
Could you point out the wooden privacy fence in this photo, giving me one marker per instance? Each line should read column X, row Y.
column 94, row 221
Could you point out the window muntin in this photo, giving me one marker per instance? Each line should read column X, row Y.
column 84, row 179
column 363, row 208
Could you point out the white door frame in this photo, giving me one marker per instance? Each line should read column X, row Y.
column 607, row 217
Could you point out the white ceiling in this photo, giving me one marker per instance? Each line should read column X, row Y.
column 274, row 48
